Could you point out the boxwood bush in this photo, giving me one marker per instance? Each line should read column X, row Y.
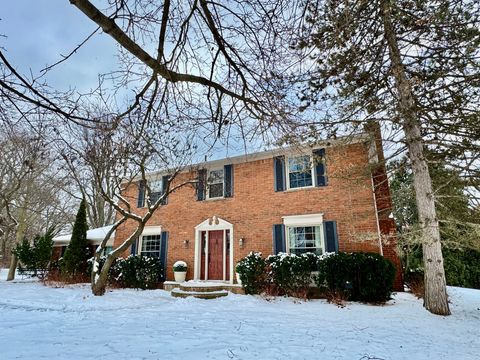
column 253, row 273
column 366, row 277
column 140, row 272
column 357, row 276
column 291, row 274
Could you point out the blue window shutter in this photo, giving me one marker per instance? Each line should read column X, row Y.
column 319, row 163
column 279, row 238
column 279, row 173
column 141, row 194
column 133, row 248
column 228, row 181
column 163, row 253
column 165, row 180
column 202, row 180
column 331, row 237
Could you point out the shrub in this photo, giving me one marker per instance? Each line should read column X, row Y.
column 75, row 259
column 138, row 272
column 462, row 268
column 291, row 274
column 35, row 258
column 180, row 266
column 253, row 273
column 357, row 276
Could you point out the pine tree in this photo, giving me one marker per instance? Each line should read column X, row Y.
column 414, row 67
column 74, row 262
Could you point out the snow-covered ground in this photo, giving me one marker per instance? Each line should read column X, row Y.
column 39, row 322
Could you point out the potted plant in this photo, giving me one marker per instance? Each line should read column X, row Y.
column 180, row 271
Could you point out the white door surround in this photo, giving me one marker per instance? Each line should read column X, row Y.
column 210, row 224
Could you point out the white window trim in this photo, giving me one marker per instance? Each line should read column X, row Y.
column 301, row 221
column 312, row 170
column 208, row 185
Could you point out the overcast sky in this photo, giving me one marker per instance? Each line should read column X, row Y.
column 39, row 31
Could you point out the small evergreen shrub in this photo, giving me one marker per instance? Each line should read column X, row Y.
column 357, row 276
column 253, row 273
column 35, row 258
column 138, row 272
column 180, row 266
column 291, row 274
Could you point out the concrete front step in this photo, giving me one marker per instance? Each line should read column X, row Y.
column 199, row 294
column 203, row 286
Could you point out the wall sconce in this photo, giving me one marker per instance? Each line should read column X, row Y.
column 241, row 242
column 185, row 243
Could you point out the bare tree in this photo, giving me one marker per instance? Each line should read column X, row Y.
column 31, row 197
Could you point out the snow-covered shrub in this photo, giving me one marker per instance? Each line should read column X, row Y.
column 140, row 272
column 357, row 276
column 180, row 266
column 34, row 259
column 253, row 273
column 291, row 274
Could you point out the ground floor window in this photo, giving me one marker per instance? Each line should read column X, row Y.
column 151, row 245
column 303, row 239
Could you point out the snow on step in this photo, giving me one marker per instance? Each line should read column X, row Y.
column 199, row 294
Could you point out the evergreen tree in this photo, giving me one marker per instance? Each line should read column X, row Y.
column 414, row 67
column 74, row 262
column 35, row 258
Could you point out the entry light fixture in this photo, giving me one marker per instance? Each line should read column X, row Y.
column 185, row 243
column 241, row 242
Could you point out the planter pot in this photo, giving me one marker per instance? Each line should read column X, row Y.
column 237, row 275
column 180, row 276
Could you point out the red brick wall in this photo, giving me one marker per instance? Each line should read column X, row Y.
column 255, row 207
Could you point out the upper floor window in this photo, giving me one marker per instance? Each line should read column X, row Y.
column 215, row 183
column 156, row 187
column 300, row 172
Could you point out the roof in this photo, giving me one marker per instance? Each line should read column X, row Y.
column 94, row 235
column 261, row 155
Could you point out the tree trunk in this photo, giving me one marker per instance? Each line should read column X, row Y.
column 13, row 268
column 435, row 299
column 99, row 281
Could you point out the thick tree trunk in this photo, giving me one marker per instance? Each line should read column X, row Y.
column 100, row 279
column 435, row 299
column 13, row 268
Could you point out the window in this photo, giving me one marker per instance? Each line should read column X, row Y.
column 156, row 187
column 151, row 245
column 215, row 183
column 107, row 250
column 303, row 239
column 300, row 172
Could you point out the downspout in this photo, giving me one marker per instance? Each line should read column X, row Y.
column 376, row 215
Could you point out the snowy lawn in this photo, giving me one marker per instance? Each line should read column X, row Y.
column 38, row 322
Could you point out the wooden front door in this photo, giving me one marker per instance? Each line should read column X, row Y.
column 215, row 255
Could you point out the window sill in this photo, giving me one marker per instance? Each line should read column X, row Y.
column 216, row 198
column 303, row 188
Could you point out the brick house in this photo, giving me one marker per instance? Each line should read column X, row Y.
column 330, row 197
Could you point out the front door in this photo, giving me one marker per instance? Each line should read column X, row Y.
column 215, row 255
